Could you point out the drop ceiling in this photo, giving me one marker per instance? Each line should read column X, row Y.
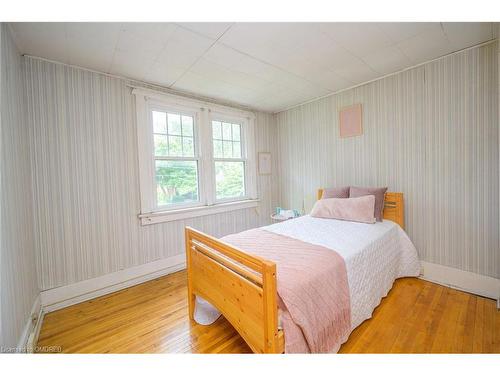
column 266, row 66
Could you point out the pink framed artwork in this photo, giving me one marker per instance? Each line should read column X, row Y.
column 351, row 121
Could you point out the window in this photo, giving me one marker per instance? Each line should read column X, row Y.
column 228, row 159
column 176, row 162
column 195, row 158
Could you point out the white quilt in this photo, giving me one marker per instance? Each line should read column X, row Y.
column 375, row 255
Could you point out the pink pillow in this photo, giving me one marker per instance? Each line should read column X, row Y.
column 353, row 209
column 379, row 194
column 341, row 192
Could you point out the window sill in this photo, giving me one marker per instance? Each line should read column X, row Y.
column 187, row 213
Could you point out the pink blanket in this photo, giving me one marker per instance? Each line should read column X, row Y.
column 312, row 287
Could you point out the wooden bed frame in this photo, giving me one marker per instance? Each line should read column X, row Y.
column 243, row 287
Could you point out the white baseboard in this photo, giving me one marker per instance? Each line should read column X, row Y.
column 58, row 298
column 29, row 333
column 33, row 338
column 462, row 280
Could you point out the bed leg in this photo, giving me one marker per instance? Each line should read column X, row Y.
column 191, row 303
column 191, row 296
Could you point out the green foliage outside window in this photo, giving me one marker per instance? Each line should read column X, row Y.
column 177, row 181
column 229, row 178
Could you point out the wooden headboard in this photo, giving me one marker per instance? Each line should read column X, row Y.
column 394, row 209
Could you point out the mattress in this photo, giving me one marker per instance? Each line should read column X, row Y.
column 375, row 255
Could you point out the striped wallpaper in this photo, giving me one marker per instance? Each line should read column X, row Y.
column 497, row 29
column 17, row 254
column 431, row 132
column 86, row 180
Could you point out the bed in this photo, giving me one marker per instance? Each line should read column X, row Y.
column 242, row 282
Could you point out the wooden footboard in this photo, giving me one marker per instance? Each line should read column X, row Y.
column 241, row 286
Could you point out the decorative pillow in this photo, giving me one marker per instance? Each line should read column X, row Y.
column 379, row 194
column 353, row 209
column 341, row 192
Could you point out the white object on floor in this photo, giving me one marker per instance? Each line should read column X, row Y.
column 204, row 313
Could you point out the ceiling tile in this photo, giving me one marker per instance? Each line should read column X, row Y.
column 210, row 86
column 210, row 29
column 163, row 74
column 178, row 60
column 466, row 34
column 186, row 41
column 387, row 60
column 325, row 52
column 130, row 45
column 399, row 31
column 356, row 72
column 255, row 39
column 428, row 45
column 329, row 79
column 104, row 32
column 212, row 70
column 130, row 65
column 92, row 45
column 148, row 40
column 159, row 32
column 182, row 50
column 225, row 56
column 43, row 39
column 298, row 84
column 91, row 56
column 358, row 38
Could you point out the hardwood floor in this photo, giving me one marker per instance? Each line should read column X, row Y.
column 416, row 317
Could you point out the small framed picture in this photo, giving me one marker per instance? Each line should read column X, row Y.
column 351, row 121
column 264, row 163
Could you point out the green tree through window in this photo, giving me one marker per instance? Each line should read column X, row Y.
column 176, row 169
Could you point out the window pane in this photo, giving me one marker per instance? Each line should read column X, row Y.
column 187, row 146
column 187, row 126
column 226, row 131
column 229, row 179
column 174, row 124
column 218, row 149
column 174, row 146
column 176, row 182
column 236, row 132
column 236, row 150
column 159, row 122
column 228, row 149
column 216, row 130
column 161, row 145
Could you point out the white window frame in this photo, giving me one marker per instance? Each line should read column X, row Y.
column 244, row 129
column 202, row 112
column 160, row 107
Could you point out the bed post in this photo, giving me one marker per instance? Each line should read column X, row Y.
column 320, row 193
column 270, row 307
column 241, row 286
column 191, row 296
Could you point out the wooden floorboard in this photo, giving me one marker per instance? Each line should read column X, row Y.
column 416, row 317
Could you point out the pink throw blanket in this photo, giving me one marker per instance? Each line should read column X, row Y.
column 312, row 287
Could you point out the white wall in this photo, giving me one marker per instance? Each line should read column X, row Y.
column 17, row 254
column 86, row 182
column 430, row 132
